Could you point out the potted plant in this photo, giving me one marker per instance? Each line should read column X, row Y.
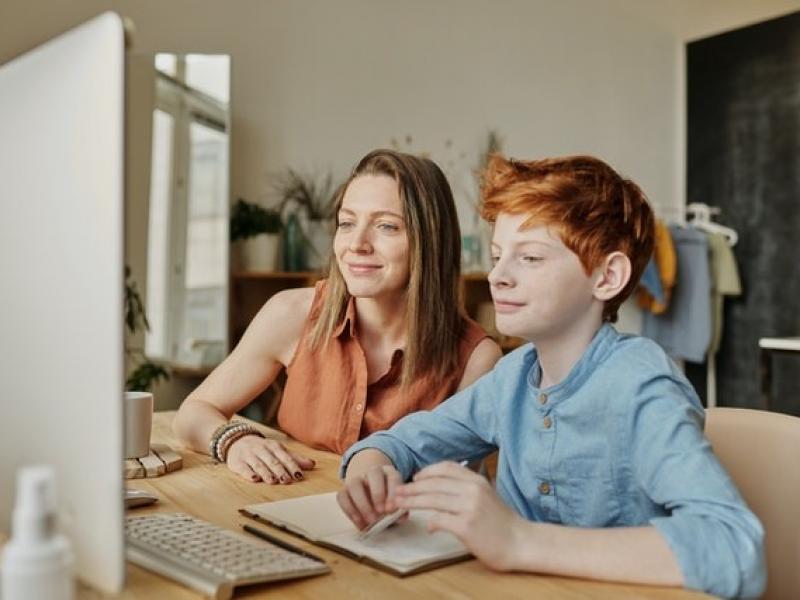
column 255, row 232
column 313, row 198
column 145, row 373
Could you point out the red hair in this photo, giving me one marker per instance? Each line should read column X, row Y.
column 595, row 210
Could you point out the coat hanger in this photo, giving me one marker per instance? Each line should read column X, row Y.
column 700, row 218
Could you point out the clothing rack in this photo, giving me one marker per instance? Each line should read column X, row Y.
column 700, row 216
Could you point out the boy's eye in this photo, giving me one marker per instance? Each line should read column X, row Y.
column 530, row 259
column 495, row 259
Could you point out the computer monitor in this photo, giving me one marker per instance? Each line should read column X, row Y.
column 61, row 285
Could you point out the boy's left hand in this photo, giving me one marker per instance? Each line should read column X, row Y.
column 465, row 504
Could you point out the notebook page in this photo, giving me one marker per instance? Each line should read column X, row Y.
column 403, row 546
column 314, row 517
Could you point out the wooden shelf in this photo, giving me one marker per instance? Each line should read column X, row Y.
column 251, row 289
column 299, row 275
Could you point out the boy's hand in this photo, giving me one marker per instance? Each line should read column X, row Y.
column 466, row 505
column 369, row 496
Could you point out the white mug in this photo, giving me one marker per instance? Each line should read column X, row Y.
column 138, row 421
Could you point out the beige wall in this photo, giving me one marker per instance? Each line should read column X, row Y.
column 317, row 83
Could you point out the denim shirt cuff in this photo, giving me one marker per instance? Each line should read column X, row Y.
column 382, row 442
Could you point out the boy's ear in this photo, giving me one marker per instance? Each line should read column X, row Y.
column 612, row 276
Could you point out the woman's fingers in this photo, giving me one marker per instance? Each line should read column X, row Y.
column 243, row 469
column 289, row 466
column 306, row 463
column 265, row 459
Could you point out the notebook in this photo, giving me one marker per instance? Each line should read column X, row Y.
column 402, row 549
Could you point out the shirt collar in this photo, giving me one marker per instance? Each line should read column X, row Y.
column 348, row 324
column 594, row 354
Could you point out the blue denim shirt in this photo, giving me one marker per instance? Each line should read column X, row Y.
column 619, row 442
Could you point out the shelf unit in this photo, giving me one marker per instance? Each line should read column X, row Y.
column 251, row 289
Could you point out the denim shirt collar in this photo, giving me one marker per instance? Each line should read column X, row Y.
column 598, row 348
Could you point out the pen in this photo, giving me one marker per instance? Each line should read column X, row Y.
column 390, row 519
column 279, row 542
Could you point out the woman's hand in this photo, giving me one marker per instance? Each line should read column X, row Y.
column 261, row 459
column 465, row 504
column 368, row 496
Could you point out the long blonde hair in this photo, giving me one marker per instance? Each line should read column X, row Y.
column 433, row 300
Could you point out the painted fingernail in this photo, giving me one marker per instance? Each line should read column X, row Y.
column 253, row 477
column 273, row 480
column 285, row 478
column 298, row 475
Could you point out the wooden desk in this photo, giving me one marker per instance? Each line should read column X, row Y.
column 213, row 493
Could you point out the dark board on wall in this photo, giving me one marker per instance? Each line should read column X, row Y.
column 744, row 156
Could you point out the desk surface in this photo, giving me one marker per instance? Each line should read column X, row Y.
column 213, row 493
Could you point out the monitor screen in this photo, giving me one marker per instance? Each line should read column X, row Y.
column 61, row 292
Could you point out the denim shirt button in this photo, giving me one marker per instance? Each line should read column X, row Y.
column 544, row 488
column 542, row 398
column 547, row 422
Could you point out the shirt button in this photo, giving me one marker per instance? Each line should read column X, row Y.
column 359, row 406
column 542, row 398
column 544, row 488
column 547, row 422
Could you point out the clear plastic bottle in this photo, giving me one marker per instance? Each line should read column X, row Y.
column 37, row 562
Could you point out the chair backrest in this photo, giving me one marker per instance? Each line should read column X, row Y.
column 761, row 451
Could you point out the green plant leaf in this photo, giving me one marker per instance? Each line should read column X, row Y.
column 249, row 220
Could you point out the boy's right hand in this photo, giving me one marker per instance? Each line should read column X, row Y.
column 368, row 496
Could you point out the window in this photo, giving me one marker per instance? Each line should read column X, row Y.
column 187, row 263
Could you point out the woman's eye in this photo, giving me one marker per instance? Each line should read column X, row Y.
column 530, row 259
column 495, row 259
column 345, row 224
column 391, row 227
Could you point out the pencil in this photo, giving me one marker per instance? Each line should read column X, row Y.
column 279, row 542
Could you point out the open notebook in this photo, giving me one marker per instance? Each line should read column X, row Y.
column 403, row 549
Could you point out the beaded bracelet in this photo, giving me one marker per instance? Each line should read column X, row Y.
column 227, row 433
column 221, row 438
column 230, row 435
column 226, row 444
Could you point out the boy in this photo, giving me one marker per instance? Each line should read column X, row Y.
column 603, row 468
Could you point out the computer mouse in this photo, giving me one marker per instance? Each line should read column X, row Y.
column 134, row 498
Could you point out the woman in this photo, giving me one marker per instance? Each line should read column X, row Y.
column 382, row 337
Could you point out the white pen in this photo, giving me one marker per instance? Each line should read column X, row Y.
column 390, row 519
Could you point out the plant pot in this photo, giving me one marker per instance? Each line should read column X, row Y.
column 259, row 253
column 320, row 240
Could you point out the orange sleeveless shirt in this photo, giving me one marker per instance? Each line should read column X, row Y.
column 328, row 403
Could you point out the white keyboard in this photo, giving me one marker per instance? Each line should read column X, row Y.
column 210, row 559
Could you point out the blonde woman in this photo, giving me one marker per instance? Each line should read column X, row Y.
column 383, row 336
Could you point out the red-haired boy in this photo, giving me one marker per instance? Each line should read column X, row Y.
column 603, row 469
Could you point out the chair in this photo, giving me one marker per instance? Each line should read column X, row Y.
column 761, row 451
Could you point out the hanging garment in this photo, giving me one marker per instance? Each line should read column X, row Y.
column 724, row 282
column 684, row 329
column 665, row 263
